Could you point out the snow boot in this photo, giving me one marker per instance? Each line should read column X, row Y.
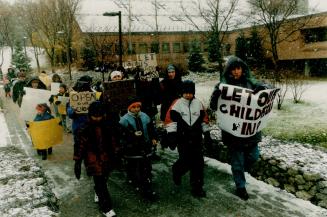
column 242, row 193
column 50, row 150
column 111, row 213
column 44, row 154
column 198, row 192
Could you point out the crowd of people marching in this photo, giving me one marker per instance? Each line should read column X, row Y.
column 103, row 136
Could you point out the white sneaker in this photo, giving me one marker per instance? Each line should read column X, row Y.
column 111, row 213
column 96, row 198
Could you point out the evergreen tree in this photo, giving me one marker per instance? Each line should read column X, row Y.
column 19, row 58
column 256, row 49
column 89, row 56
column 214, row 48
column 195, row 59
column 242, row 47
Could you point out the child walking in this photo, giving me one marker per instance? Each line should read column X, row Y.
column 186, row 120
column 138, row 138
column 96, row 147
column 43, row 113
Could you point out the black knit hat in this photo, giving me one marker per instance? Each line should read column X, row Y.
column 188, row 86
column 96, row 109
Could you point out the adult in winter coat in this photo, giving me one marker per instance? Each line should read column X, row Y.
column 96, row 146
column 138, row 138
column 79, row 120
column 18, row 88
column 243, row 151
column 169, row 89
column 185, row 122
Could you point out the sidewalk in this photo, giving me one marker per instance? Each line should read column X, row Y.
column 76, row 197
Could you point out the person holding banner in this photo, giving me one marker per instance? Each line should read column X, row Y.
column 43, row 113
column 83, row 84
column 96, row 146
column 60, row 105
column 185, row 122
column 244, row 151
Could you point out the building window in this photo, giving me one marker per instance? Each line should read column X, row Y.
column 314, row 34
column 143, row 48
column 177, row 47
column 131, row 49
column 186, row 47
column 165, row 47
column 154, row 47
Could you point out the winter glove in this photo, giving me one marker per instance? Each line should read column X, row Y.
column 172, row 140
column 261, row 87
column 77, row 169
column 207, row 138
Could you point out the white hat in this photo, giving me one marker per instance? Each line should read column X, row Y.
column 115, row 73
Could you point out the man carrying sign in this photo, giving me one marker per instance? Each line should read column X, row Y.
column 243, row 136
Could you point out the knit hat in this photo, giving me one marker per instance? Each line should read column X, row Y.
column 188, row 86
column 115, row 73
column 170, row 68
column 96, row 109
column 63, row 86
column 134, row 104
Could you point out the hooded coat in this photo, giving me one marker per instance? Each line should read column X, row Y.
column 247, row 81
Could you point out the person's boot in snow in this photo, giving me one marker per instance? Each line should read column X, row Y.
column 198, row 192
column 96, row 198
column 44, row 154
column 39, row 152
column 111, row 213
column 176, row 178
column 242, row 193
column 50, row 150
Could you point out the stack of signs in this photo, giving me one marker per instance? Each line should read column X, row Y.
column 119, row 94
column 80, row 101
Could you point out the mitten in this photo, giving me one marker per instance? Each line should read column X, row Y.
column 172, row 140
column 77, row 169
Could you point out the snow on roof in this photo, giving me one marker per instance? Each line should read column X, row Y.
column 170, row 15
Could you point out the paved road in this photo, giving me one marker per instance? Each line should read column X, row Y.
column 76, row 197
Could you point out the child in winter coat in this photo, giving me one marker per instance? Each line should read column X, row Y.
column 59, row 106
column 43, row 113
column 96, row 146
column 138, row 138
column 244, row 152
column 185, row 122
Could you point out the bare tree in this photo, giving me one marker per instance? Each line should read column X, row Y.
column 275, row 16
column 67, row 10
column 7, row 27
column 217, row 15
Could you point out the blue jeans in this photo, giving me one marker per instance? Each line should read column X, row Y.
column 242, row 160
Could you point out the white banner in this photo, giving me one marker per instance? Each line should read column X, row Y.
column 242, row 113
column 55, row 88
column 31, row 98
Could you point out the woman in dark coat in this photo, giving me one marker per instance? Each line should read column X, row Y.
column 170, row 89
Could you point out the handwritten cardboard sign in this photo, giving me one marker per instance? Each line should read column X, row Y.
column 119, row 94
column 80, row 101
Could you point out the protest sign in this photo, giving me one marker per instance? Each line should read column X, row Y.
column 147, row 61
column 62, row 106
column 80, row 101
column 55, row 88
column 31, row 98
column 45, row 134
column 119, row 94
column 242, row 113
